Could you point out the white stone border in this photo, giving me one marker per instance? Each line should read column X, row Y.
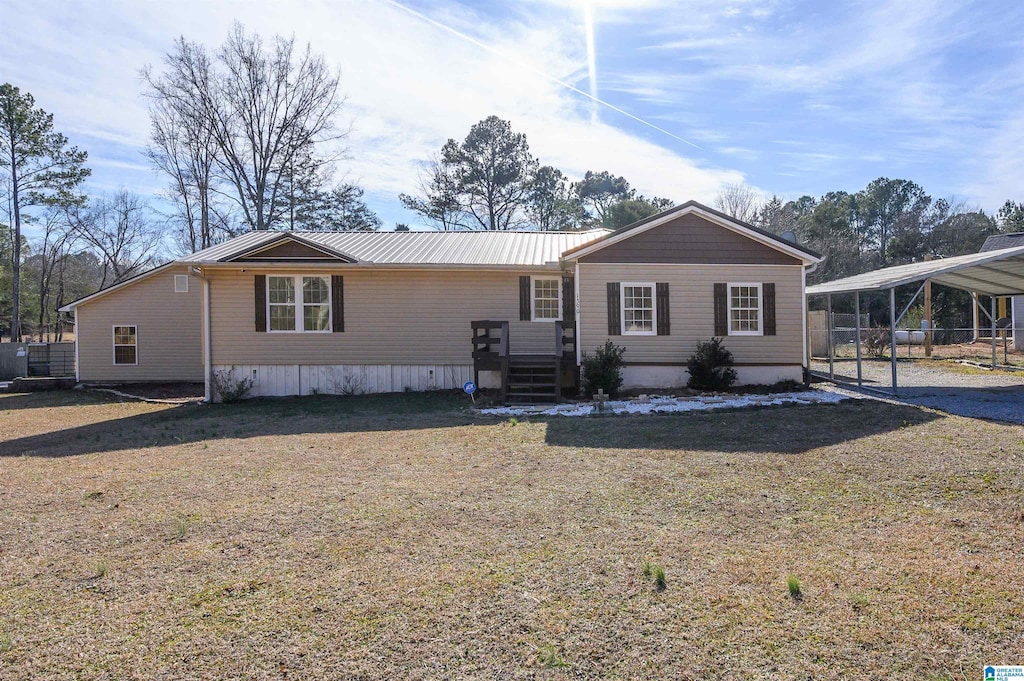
column 672, row 405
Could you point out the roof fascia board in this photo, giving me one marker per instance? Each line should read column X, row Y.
column 625, row 233
column 115, row 287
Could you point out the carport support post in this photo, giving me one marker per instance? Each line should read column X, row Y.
column 892, row 336
column 992, row 318
column 831, row 361
column 856, row 312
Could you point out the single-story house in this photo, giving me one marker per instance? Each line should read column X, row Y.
column 342, row 312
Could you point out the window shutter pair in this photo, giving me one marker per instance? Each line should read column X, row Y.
column 661, row 302
column 568, row 299
column 337, row 302
column 767, row 309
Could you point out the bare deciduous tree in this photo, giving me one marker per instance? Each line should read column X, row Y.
column 122, row 231
column 183, row 148
column 738, row 200
column 263, row 106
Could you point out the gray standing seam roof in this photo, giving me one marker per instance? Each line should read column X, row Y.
column 479, row 249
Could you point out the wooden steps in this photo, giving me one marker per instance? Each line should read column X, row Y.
column 531, row 379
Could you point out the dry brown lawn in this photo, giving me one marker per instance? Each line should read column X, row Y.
column 402, row 538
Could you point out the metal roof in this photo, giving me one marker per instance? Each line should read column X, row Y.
column 461, row 248
column 994, row 273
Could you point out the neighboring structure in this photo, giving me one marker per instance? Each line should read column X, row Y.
column 346, row 312
column 998, row 242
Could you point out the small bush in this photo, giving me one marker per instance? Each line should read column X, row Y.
column 876, row 341
column 227, row 388
column 793, row 584
column 101, row 570
column 603, row 370
column 659, row 578
column 711, row 366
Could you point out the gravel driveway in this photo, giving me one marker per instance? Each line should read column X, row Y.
column 995, row 395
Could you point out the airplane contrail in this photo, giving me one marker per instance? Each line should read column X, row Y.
column 548, row 76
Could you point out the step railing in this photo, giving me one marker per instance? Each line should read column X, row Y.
column 491, row 351
column 565, row 352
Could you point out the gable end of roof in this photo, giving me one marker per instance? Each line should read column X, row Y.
column 767, row 238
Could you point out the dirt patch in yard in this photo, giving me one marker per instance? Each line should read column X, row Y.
column 399, row 537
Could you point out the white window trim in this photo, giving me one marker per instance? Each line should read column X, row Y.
column 114, row 345
column 654, row 308
column 180, row 277
column 760, row 308
column 533, row 299
column 299, row 305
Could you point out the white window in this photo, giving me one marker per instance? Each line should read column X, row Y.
column 288, row 312
column 126, row 345
column 745, row 310
column 181, row 283
column 638, row 314
column 547, row 299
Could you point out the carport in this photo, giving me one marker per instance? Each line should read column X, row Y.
column 992, row 273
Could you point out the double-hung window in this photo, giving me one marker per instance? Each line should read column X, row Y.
column 745, row 310
column 638, row 313
column 126, row 345
column 547, row 299
column 299, row 303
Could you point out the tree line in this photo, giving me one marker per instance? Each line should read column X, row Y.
column 889, row 222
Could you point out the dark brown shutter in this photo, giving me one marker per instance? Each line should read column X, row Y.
column 664, row 326
column 337, row 303
column 260, row 295
column 568, row 299
column 614, row 311
column 768, row 299
column 721, row 310
column 525, row 313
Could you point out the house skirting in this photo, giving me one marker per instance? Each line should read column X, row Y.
column 279, row 380
column 662, row 376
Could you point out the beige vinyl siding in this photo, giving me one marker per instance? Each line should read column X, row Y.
column 692, row 313
column 169, row 331
column 419, row 317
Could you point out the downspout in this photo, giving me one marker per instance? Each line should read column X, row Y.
column 207, row 342
column 78, row 365
column 576, row 303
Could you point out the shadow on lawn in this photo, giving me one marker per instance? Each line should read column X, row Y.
column 767, row 429
column 782, row 429
column 175, row 425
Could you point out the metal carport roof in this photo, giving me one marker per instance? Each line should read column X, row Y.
column 993, row 273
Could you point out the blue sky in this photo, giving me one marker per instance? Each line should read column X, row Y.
column 791, row 97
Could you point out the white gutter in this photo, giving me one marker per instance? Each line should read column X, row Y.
column 207, row 341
